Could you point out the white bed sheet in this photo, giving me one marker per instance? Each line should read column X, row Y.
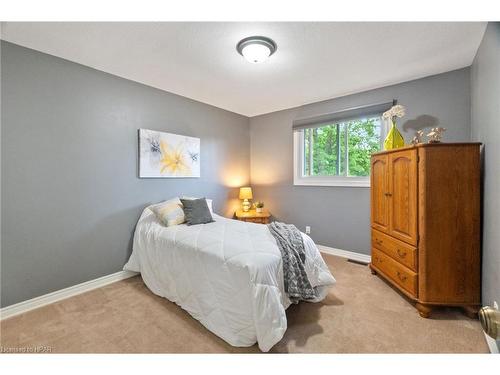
column 227, row 274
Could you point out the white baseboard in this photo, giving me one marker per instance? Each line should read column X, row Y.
column 345, row 254
column 493, row 345
column 34, row 303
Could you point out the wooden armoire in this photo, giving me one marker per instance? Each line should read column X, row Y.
column 425, row 223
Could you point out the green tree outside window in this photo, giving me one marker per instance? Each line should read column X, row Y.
column 342, row 149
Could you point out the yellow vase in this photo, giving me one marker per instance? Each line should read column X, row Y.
column 394, row 139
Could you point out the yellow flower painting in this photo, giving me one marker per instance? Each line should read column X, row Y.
column 173, row 160
column 168, row 155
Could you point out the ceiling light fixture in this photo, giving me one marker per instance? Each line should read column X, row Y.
column 256, row 49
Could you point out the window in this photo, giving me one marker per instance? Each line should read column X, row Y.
column 337, row 153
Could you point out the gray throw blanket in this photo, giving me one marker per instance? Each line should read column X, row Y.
column 290, row 242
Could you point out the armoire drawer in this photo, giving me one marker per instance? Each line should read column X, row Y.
column 399, row 274
column 398, row 250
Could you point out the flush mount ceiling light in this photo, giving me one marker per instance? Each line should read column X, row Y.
column 256, row 49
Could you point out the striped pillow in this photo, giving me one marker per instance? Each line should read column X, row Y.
column 169, row 212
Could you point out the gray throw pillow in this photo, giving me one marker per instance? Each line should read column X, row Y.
column 196, row 211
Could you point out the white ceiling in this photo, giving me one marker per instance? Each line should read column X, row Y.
column 314, row 61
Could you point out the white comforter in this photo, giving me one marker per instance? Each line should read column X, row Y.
column 227, row 274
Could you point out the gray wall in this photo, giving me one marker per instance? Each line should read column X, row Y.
column 339, row 216
column 485, row 89
column 70, row 192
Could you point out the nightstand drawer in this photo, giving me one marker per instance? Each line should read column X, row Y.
column 252, row 216
column 258, row 220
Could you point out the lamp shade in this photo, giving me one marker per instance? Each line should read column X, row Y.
column 246, row 193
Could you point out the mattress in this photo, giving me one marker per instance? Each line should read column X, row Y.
column 227, row 274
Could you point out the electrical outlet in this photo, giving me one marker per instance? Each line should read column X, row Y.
column 308, row 230
column 495, row 305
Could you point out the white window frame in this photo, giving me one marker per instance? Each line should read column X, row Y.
column 344, row 181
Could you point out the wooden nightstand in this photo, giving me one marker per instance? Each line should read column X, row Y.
column 253, row 216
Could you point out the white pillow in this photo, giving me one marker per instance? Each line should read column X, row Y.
column 169, row 212
column 209, row 202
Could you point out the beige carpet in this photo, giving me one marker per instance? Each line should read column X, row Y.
column 362, row 314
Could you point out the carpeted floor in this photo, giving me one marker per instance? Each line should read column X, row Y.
column 362, row 314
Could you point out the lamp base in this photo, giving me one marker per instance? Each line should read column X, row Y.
column 246, row 205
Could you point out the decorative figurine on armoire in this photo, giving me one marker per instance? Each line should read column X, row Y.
column 436, row 134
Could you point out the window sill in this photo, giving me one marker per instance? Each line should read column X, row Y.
column 361, row 183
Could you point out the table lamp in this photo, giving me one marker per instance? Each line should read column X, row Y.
column 246, row 194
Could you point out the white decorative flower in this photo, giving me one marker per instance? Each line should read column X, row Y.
column 398, row 110
column 395, row 111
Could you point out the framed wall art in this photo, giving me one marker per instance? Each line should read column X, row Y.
column 167, row 155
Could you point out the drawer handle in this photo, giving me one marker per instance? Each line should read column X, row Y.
column 402, row 254
column 388, row 194
column 379, row 242
column 401, row 277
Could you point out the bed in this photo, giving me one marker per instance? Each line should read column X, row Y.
column 226, row 274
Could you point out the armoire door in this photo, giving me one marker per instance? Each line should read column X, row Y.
column 403, row 195
column 379, row 178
